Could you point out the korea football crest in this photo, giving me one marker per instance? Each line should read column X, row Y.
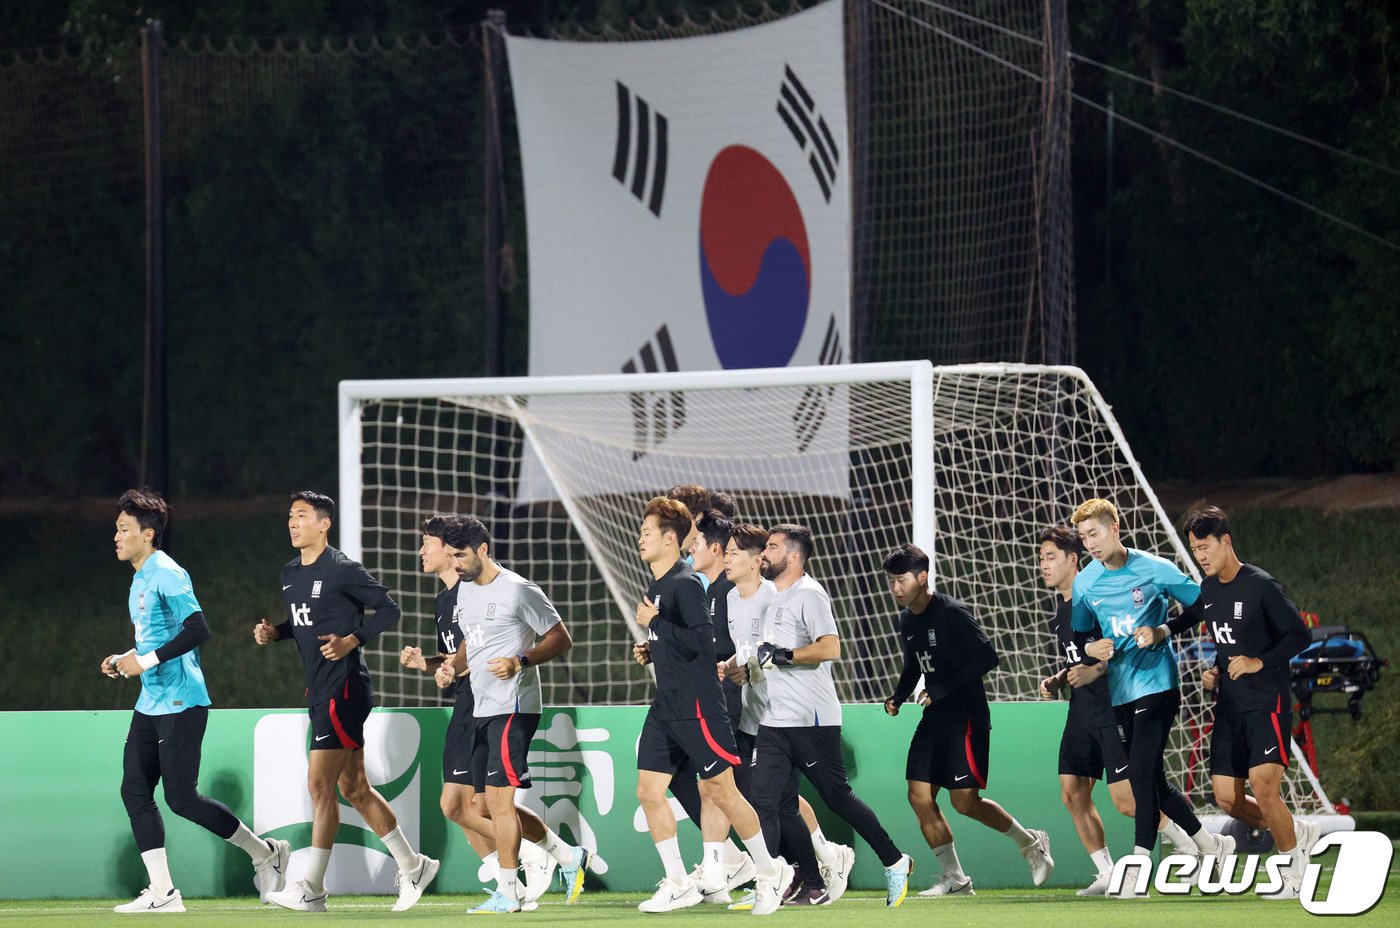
column 1138, row 598
column 932, row 638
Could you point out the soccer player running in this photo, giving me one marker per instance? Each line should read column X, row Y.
column 1125, row 589
column 945, row 646
column 444, row 537
column 685, row 727
column 799, row 733
column 509, row 627
column 1090, row 747
column 1257, row 630
column 167, row 725
column 326, row 594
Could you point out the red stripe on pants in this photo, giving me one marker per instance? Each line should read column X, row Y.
column 511, row 778
column 972, row 761
column 345, row 740
column 733, row 759
column 1278, row 733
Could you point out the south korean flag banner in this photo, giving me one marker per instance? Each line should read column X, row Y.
column 688, row 209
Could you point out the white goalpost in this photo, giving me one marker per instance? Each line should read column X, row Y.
column 969, row 462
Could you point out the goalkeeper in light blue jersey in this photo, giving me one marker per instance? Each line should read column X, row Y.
column 167, row 727
column 1124, row 589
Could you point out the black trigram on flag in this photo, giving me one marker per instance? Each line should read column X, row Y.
column 644, row 148
column 811, row 410
column 653, row 418
column 799, row 111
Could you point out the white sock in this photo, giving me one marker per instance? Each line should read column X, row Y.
column 256, row 848
column 1018, row 834
column 158, row 869
column 820, row 844
column 670, row 851
column 508, row 883
column 318, row 859
column 493, row 863
column 556, row 847
column 1176, row 836
column 1204, row 840
column 732, row 853
column 948, row 856
column 712, row 863
column 762, row 860
column 1103, row 860
column 397, row 844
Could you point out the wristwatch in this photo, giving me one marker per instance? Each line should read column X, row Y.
column 524, row 660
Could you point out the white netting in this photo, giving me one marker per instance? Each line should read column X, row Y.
column 1014, row 448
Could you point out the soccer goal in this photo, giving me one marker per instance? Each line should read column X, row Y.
column 968, row 461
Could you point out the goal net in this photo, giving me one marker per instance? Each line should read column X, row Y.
column 968, row 461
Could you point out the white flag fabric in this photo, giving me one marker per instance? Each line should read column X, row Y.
column 688, row 206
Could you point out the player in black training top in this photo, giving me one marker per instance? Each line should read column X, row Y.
column 1257, row 630
column 686, row 728
column 327, row 594
column 944, row 645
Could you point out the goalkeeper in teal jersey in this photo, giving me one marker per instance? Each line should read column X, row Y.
column 167, row 728
column 1122, row 590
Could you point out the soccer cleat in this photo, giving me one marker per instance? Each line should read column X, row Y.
column 270, row 874
column 739, row 872
column 897, row 880
column 538, row 868
column 950, row 886
column 411, row 883
column 810, row 895
column 148, row 901
column 838, row 874
column 1098, row 887
column 768, row 889
column 572, row 876
column 1038, row 858
column 498, row 903
column 670, row 896
column 745, row 902
column 795, row 884
column 300, row 897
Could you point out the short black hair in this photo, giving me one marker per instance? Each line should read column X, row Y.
column 906, row 559
column 715, row 528
column 749, row 537
column 439, row 525
column 473, row 535
column 1065, row 537
column 798, row 535
column 724, row 502
column 323, row 504
column 1207, row 521
column 148, row 508
column 695, row 497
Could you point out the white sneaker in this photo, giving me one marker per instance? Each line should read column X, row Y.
column 1038, row 858
column 411, row 883
column 713, row 893
column 838, row 873
column 1129, row 888
column 1223, row 855
column 670, row 896
column 768, row 889
column 300, row 897
column 1307, row 831
column 538, row 868
column 148, row 901
column 739, row 872
column 1097, row 888
column 270, row 876
column 950, row 886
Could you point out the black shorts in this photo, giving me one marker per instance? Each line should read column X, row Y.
column 457, row 749
column 949, row 750
column 747, row 745
column 1096, row 753
column 686, row 746
column 501, row 749
column 1240, row 741
column 339, row 724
